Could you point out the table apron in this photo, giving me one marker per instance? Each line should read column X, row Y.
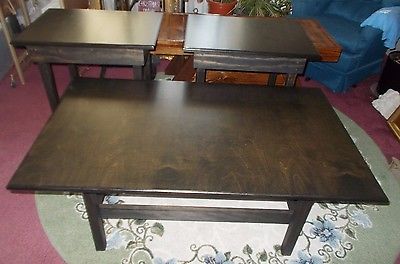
column 250, row 62
column 88, row 55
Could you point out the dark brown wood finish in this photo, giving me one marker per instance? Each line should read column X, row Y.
column 172, row 35
column 46, row 72
column 88, row 28
column 248, row 44
column 300, row 212
column 250, row 62
column 178, row 138
column 73, row 71
column 91, row 37
column 278, row 37
column 92, row 202
column 200, row 213
column 92, row 55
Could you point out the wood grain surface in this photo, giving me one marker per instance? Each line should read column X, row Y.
column 78, row 27
column 278, row 37
column 177, row 139
column 172, row 35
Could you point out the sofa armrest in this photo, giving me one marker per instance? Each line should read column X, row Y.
column 306, row 8
column 371, row 44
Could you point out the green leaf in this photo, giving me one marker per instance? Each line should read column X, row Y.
column 131, row 245
column 360, row 206
column 272, row 8
column 228, row 255
column 277, row 248
column 350, row 232
column 323, row 205
column 247, row 250
column 263, row 256
column 157, row 229
column 139, row 221
column 343, row 216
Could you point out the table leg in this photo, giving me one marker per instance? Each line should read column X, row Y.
column 73, row 71
column 138, row 73
column 200, row 75
column 92, row 202
column 175, row 65
column 271, row 79
column 291, row 79
column 144, row 72
column 49, row 84
column 186, row 72
column 147, row 68
column 300, row 213
column 103, row 70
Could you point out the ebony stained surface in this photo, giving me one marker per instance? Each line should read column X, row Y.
column 78, row 27
column 193, row 140
column 276, row 37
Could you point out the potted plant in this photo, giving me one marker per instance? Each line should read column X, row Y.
column 271, row 8
column 221, row 7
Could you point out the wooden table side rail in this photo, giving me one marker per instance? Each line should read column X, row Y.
column 79, row 55
column 291, row 67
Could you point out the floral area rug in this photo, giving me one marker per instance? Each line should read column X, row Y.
column 333, row 233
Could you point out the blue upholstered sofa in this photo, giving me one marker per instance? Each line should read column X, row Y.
column 363, row 49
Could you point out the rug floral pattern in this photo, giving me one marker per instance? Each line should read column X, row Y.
column 330, row 232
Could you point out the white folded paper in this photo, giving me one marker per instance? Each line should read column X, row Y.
column 387, row 103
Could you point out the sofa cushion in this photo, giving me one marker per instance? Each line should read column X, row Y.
column 389, row 3
column 386, row 19
column 356, row 10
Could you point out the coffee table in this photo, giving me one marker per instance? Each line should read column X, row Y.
column 190, row 140
column 248, row 44
column 102, row 37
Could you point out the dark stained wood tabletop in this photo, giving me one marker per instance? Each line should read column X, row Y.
column 276, row 37
column 81, row 27
column 177, row 139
